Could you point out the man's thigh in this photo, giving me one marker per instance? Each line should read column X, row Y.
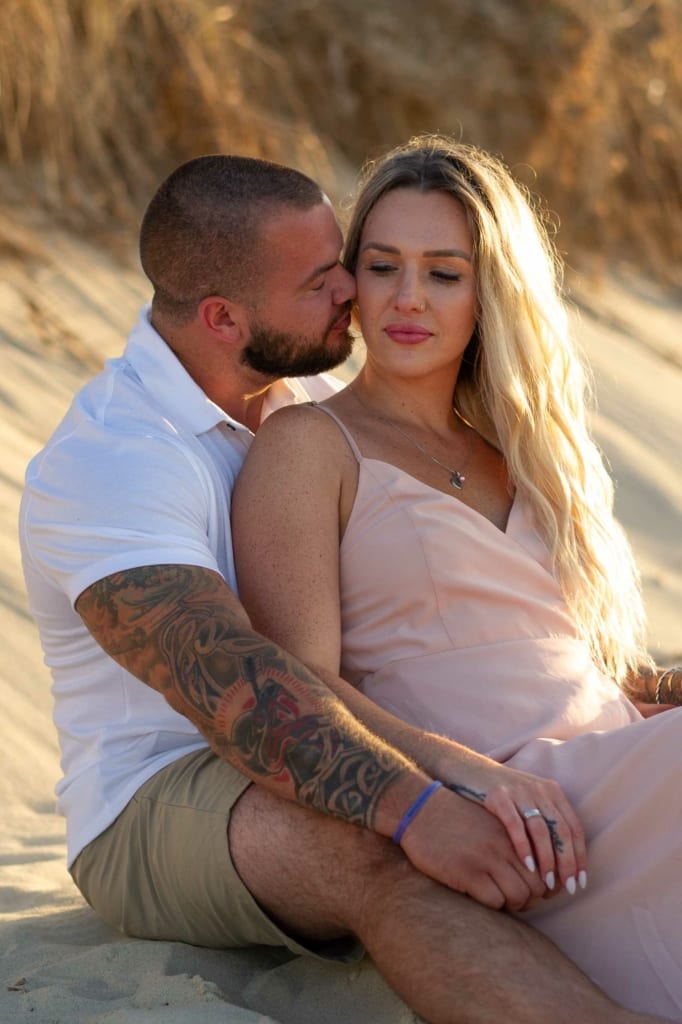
column 163, row 869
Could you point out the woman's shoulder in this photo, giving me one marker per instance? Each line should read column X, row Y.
column 305, row 429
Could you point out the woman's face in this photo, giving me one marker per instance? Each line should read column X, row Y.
column 416, row 282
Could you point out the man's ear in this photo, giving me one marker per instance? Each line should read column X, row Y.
column 223, row 318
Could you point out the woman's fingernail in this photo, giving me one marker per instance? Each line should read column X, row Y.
column 549, row 879
column 582, row 879
column 571, row 886
column 530, row 863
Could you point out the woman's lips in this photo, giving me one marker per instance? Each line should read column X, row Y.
column 407, row 334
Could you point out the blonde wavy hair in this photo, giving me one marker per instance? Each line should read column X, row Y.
column 524, row 387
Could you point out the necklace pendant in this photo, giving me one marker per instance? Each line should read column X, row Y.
column 457, row 480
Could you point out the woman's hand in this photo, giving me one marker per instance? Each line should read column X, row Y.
column 542, row 826
column 648, row 710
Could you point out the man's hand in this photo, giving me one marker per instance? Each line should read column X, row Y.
column 458, row 843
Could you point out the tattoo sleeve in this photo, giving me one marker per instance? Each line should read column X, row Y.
column 181, row 631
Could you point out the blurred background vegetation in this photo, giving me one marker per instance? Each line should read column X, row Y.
column 99, row 99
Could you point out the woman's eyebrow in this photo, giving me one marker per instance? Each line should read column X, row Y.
column 457, row 253
column 380, row 247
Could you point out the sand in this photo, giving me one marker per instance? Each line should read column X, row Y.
column 63, row 311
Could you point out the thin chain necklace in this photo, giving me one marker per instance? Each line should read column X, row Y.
column 457, row 477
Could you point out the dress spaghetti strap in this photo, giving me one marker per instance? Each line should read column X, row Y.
column 352, row 444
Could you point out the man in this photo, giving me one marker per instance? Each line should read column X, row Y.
column 126, row 546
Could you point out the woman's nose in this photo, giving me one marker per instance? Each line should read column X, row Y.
column 408, row 297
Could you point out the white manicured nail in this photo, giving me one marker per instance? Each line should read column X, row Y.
column 571, row 886
column 549, row 879
column 582, row 879
column 530, row 863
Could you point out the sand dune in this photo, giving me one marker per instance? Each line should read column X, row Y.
column 63, row 312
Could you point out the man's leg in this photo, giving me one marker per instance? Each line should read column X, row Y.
column 450, row 959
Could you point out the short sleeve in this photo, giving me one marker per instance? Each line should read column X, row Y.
column 99, row 502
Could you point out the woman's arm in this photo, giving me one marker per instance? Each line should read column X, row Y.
column 285, row 524
column 289, row 507
column 653, row 689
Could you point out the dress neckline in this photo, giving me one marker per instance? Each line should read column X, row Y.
column 443, row 494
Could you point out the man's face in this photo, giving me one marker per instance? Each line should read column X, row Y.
column 300, row 319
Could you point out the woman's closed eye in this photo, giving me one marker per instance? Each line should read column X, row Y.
column 381, row 267
column 446, row 275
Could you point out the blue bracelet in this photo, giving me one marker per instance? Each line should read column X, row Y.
column 413, row 810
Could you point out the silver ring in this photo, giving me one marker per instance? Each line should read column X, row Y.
column 533, row 813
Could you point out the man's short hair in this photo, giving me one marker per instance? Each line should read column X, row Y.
column 201, row 232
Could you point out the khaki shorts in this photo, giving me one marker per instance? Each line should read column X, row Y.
column 163, row 870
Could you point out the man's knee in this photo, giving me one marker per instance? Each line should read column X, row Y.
column 307, row 869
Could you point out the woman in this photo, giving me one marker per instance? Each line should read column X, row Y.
column 462, row 564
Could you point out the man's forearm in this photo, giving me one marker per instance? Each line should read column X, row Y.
column 180, row 630
column 440, row 757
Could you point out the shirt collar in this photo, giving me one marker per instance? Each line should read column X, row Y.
column 164, row 376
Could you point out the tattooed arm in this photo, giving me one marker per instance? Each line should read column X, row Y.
column 181, row 631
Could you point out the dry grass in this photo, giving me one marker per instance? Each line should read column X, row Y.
column 99, row 98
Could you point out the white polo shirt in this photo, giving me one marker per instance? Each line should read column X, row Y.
column 139, row 472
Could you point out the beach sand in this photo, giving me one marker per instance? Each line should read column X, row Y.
column 64, row 310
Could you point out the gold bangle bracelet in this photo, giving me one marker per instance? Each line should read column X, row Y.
column 665, row 680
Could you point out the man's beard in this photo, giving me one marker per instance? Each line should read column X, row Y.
column 277, row 354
